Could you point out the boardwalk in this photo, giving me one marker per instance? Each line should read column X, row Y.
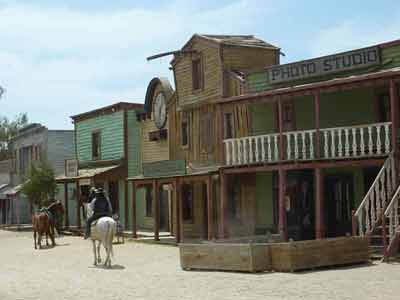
column 153, row 272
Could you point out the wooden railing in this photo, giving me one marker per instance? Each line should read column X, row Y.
column 377, row 198
column 335, row 143
column 392, row 213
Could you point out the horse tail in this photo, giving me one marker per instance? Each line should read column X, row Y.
column 110, row 237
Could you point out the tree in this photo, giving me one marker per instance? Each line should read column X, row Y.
column 40, row 186
column 8, row 129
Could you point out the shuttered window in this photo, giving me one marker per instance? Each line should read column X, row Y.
column 197, row 74
column 96, row 145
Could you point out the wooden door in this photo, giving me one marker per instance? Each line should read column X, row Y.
column 113, row 195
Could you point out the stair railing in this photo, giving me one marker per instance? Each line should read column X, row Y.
column 377, row 198
column 392, row 214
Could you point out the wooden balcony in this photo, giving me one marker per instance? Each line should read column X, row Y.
column 353, row 142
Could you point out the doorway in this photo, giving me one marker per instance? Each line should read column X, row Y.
column 300, row 205
column 339, row 203
column 164, row 208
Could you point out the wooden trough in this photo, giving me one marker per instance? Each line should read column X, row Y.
column 282, row 257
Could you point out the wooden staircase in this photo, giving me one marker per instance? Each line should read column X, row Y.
column 377, row 217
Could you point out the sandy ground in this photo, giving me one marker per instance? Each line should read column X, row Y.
column 152, row 272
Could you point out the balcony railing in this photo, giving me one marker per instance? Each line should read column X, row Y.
column 335, row 143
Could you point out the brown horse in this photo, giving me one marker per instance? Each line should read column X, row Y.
column 43, row 222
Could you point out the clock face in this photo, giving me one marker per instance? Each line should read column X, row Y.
column 160, row 111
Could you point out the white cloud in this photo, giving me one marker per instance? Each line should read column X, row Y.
column 55, row 62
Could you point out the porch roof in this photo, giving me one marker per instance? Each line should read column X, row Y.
column 87, row 173
column 191, row 171
column 6, row 191
column 320, row 85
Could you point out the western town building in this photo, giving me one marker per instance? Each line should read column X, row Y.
column 306, row 152
column 33, row 144
column 107, row 151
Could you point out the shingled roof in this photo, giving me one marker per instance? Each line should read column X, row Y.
column 237, row 40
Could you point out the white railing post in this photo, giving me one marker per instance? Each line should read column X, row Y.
column 288, row 146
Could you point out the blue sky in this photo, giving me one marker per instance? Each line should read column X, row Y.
column 59, row 58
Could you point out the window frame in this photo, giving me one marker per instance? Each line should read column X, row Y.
column 96, row 132
column 232, row 123
column 197, row 77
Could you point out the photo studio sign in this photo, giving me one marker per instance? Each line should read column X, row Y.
column 346, row 61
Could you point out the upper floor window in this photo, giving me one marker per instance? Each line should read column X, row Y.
column 197, row 74
column 96, row 145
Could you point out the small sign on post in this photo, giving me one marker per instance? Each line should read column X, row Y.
column 71, row 168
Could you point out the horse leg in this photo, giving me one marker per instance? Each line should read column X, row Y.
column 40, row 239
column 47, row 242
column 34, row 238
column 94, row 252
column 98, row 252
column 53, row 242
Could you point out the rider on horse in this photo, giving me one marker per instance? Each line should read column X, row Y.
column 100, row 206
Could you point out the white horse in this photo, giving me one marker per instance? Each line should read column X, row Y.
column 103, row 231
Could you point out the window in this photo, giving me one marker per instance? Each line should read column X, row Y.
column 288, row 116
column 96, row 145
column 228, row 126
column 206, row 132
column 197, row 74
column 149, row 201
column 185, row 130
column 187, row 202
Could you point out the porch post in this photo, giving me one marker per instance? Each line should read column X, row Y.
column 176, row 212
column 224, row 205
column 180, row 206
column 134, row 225
column 156, row 210
column 394, row 109
column 126, row 203
column 280, row 124
column 282, row 205
column 319, row 204
column 317, row 110
column 210, row 209
column 66, row 223
column 78, row 205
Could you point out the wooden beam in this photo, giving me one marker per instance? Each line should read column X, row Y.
column 282, row 205
column 180, row 205
column 156, row 210
column 78, row 205
column 126, row 203
column 280, row 126
column 134, row 222
column 319, row 204
column 210, row 209
column 317, row 115
column 223, row 205
column 306, row 165
column 66, row 222
column 394, row 115
column 177, row 230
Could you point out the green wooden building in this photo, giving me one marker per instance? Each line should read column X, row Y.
column 107, row 152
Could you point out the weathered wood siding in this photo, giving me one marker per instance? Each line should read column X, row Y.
column 134, row 144
column 211, row 64
column 153, row 150
column 112, row 136
column 243, row 58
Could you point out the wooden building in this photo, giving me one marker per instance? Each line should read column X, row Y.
column 107, row 151
column 206, row 70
